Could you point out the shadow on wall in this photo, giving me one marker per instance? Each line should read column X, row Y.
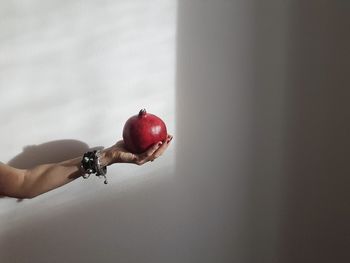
column 297, row 203
column 316, row 213
column 299, row 197
column 296, row 208
column 137, row 225
column 49, row 152
column 111, row 227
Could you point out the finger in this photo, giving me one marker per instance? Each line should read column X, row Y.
column 162, row 149
column 149, row 152
column 169, row 137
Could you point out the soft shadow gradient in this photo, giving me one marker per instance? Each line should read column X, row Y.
column 49, row 152
column 316, row 215
column 262, row 151
column 263, row 132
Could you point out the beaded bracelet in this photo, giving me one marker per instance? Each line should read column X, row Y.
column 91, row 164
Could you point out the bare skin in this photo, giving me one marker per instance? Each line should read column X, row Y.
column 29, row 183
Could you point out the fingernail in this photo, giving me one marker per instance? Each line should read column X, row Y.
column 160, row 143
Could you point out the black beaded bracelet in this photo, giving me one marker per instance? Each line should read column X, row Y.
column 90, row 163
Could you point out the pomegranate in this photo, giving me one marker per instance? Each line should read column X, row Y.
column 142, row 131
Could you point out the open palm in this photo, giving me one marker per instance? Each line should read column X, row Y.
column 120, row 154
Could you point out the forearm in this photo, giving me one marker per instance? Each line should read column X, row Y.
column 40, row 179
column 10, row 180
column 43, row 178
column 46, row 177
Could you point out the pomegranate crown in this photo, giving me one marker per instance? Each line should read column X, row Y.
column 142, row 112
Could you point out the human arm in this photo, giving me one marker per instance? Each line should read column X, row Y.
column 29, row 183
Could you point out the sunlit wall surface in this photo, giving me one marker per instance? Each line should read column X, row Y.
column 76, row 70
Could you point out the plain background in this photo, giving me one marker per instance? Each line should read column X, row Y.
column 261, row 148
column 71, row 75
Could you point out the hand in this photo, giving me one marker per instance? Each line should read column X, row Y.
column 119, row 154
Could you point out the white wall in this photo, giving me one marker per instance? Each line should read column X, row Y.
column 261, row 141
column 71, row 74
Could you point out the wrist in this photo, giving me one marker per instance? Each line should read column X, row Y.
column 106, row 158
column 95, row 162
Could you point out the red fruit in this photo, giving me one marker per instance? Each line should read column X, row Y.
column 142, row 131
